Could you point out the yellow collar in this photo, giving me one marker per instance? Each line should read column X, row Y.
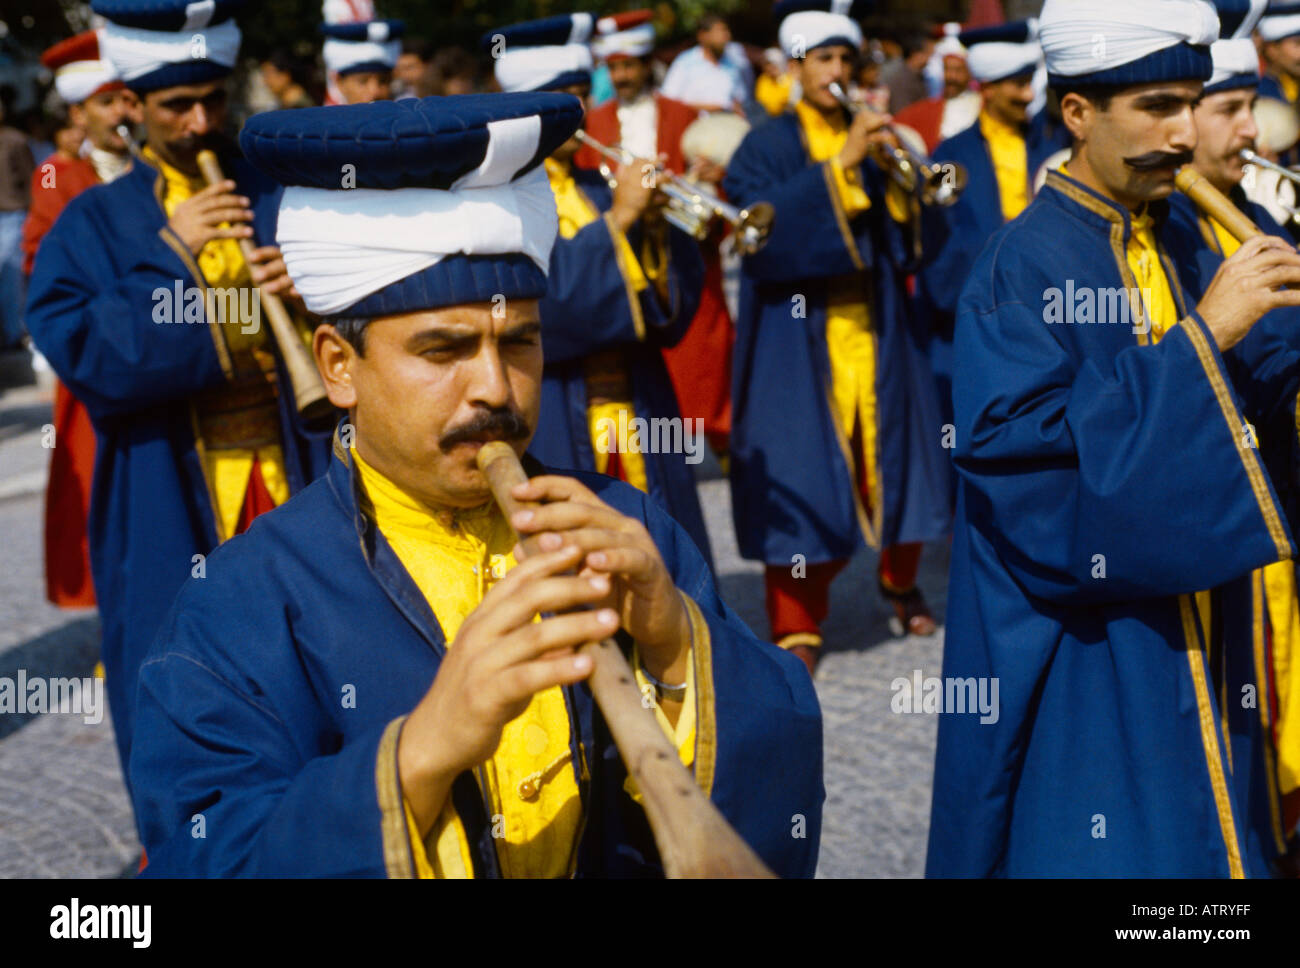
column 816, row 123
column 403, row 510
column 178, row 183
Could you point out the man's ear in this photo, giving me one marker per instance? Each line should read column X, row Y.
column 77, row 115
column 336, row 360
column 1077, row 112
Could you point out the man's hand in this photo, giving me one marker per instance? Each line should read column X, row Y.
column 635, row 192
column 500, row 658
column 643, row 592
column 1246, row 287
column 868, row 128
column 267, row 269
column 197, row 220
column 705, row 171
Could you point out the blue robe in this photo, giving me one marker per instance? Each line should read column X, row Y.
column 1264, row 368
column 1103, row 482
column 954, row 236
column 90, row 311
column 792, row 485
column 589, row 308
column 290, row 780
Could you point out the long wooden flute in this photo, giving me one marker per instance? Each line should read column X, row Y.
column 304, row 379
column 693, row 837
column 1215, row 204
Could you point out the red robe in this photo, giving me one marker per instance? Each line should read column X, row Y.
column 673, row 117
column 925, row 117
column 700, row 365
column 72, row 459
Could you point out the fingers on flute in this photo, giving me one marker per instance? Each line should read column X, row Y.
column 555, row 635
column 519, row 682
column 567, row 516
column 608, row 551
column 553, row 487
column 559, row 594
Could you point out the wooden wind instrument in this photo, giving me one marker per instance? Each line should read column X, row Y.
column 304, row 379
column 693, row 837
column 1215, row 204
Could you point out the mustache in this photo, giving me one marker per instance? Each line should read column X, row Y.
column 503, row 424
column 1155, row 160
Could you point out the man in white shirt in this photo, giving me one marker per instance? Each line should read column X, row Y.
column 715, row 75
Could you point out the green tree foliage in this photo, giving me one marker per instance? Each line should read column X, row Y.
column 294, row 23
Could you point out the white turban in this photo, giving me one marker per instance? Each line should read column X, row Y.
column 1090, row 36
column 136, row 52
column 1233, row 57
column 634, row 42
column 801, row 32
column 342, row 246
column 77, row 81
column 528, row 68
column 339, row 55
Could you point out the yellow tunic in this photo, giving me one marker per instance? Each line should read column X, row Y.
column 850, row 336
column 1284, row 616
column 529, row 784
column 1010, row 163
column 773, row 92
column 576, row 212
column 223, row 266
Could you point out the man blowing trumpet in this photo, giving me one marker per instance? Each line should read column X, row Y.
column 404, row 710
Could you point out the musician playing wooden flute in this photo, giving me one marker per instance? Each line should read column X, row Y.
column 1268, row 776
column 836, row 437
column 361, row 685
column 194, row 437
column 622, row 285
column 1112, row 508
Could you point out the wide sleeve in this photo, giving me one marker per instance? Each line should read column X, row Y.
column 226, row 784
column 1110, row 477
column 116, row 338
column 758, row 726
column 811, row 236
column 597, row 296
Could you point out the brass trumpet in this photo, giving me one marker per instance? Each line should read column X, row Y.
column 1250, row 158
column 941, row 184
column 690, row 208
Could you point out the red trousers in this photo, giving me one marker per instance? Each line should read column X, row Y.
column 67, row 503
column 797, row 606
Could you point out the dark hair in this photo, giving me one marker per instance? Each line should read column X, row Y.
column 455, row 62
column 708, row 21
column 298, row 68
column 351, row 328
column 1098, row 94
column 912, row 41
column 418, row 46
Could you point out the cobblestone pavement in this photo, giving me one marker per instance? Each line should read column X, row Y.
column 64, row 811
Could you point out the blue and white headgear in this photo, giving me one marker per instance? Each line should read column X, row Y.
column 1121, row 43
column 450, row 204
column 165, row 43
column 542, row 55
column 1236, row 61
column 808, row 24
column 1007, row 50
column 352, row 48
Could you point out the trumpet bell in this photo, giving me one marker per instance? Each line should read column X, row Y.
column 943, row 184
column 753, row 227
